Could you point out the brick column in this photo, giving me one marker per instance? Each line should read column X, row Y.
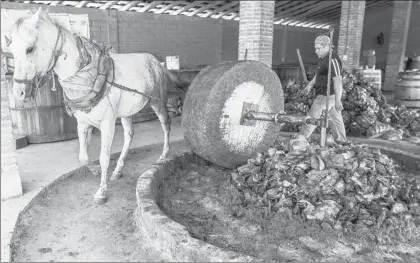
column 11, row 185
column 351, row 31
column 397, row 43
column 256, row 31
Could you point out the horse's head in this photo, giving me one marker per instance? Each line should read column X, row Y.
column 33, row 44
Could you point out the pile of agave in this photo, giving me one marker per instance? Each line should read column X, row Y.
column 365, row 113
column 341, row 187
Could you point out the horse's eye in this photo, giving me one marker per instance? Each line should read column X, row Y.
column 29, row 50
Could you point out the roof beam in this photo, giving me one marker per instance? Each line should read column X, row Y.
column 234, row 16
column 129, row 5
column 82, row 4
column 204, row 8
column 335, row 14
column 167, row 7
column 325, row 22
column 320, row 6
column 284, row 5
column 229, row 11
column 317, row 22
column 378, row 5
column 336, row 6
column 54, row 3
column 185, row 8
column 321, row 24
column 303, row 16
column 288, row 13
column 307, row 8
column 332, row 14
column 294, row 22
column 280, row 3
column 305, row 4
column 108, row 4
column 290, row 22
column 331, row 10
column 224, row 7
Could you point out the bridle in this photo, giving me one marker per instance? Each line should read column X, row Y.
column 40, row 80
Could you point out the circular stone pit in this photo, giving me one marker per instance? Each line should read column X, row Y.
column 62, row 224
column 167, row 229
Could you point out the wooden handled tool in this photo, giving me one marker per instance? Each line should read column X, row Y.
column 324, row 129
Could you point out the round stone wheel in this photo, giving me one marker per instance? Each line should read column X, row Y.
column 213, row 107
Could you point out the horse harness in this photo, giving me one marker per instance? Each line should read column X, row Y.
column 104, row 79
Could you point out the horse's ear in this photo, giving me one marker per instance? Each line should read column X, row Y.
column 8, row 41
column 34, row 19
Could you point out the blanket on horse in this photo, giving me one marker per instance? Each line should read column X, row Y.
column 96, row 72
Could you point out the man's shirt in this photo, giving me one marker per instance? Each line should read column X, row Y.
column 321, row 81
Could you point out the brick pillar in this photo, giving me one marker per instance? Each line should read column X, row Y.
column 397, row 43
column 351, row 31
column 11, row 185
column 256, row 31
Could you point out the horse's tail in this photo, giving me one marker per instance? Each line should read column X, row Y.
column 179, row 83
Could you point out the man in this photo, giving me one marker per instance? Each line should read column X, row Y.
column 320, row 82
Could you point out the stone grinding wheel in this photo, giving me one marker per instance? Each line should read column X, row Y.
column 213, row 107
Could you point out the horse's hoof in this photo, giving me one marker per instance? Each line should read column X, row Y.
column 99, row 200
column 115, row 176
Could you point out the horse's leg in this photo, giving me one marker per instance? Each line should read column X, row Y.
column 89, row 136
column 84, row 139
column 107, row 135
column 165, row 121
column 127, row 124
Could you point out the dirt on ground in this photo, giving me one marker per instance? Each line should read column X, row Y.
column 65, row 225
column 200, row 199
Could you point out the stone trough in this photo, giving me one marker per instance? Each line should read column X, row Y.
column 172, row 239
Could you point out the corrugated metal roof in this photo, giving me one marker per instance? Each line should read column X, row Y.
column 315, row 14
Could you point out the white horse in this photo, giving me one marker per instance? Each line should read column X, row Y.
column 40, row 45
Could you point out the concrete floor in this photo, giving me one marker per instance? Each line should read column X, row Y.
column 41, row 164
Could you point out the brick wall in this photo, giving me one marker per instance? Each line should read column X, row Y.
column 286, row 40
column 230, row 38
column 198, row 41
column 350, row 33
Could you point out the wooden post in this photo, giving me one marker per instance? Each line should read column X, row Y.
column 302, row 67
